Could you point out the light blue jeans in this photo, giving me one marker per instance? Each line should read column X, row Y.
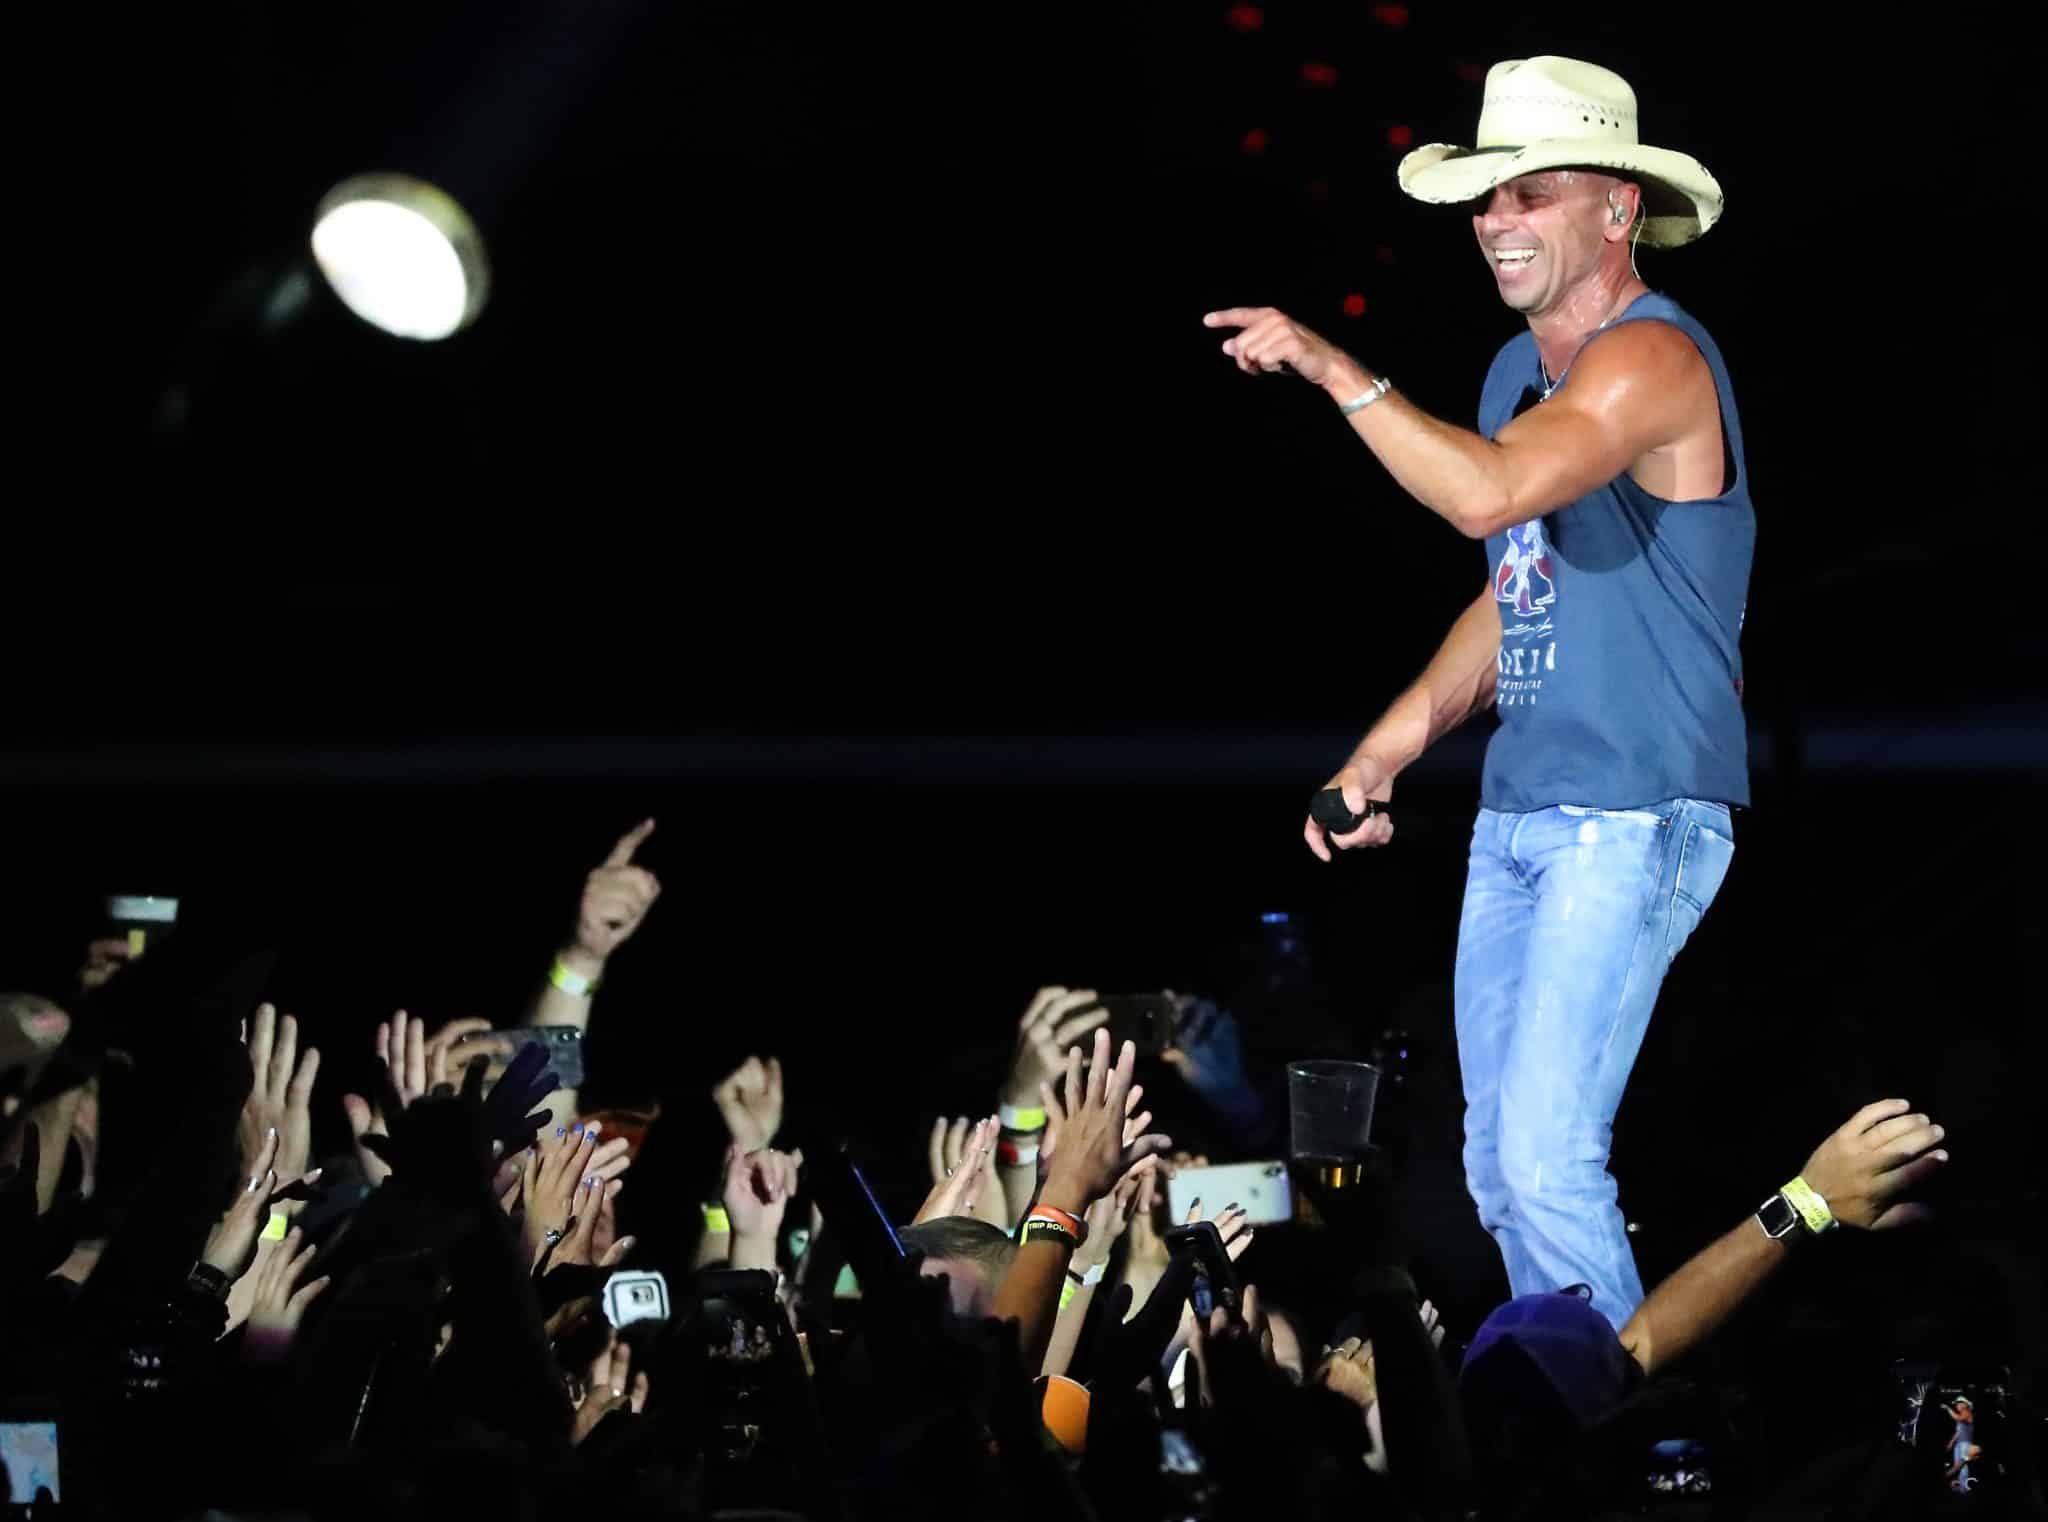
column 1571, row 917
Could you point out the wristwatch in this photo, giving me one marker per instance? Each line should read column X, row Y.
column 1777, row 1217
column 204, row 1279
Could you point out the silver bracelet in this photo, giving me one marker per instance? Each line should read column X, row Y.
column 1368, row 396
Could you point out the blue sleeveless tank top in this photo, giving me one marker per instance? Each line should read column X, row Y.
column 1620, row 680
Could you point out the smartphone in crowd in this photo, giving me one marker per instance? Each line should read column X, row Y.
column 1144, row 1020
column 1215, row 1283
column 1955, row 1417
column 563, row 1044
column 635, row 1295
column 28, row 1449
column 140, row 919
column 1263, row 1189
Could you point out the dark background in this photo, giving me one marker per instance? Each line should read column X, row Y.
column 841, row 473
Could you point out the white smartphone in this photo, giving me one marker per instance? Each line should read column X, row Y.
column 1263, row 1189
column 635, row 1295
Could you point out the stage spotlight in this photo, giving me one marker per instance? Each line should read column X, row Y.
column 401, row 255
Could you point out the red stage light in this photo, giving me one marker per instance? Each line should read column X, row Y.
column 1321, row 75
column 1400, row 137
column 1390, row 15
column 1354, row 305
column 1471, row 73
column 1244, row 18
column 1255, row 141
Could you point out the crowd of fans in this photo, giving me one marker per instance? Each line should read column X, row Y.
column 447, row 1318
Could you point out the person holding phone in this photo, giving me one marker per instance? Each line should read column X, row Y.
column 1607, row 480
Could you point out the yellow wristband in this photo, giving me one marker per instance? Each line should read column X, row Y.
column 1021, row 1118
column 572, row 982
column 1066, row 1294
column 1813, row 1210
column 717, row 1221
column 275, row 1228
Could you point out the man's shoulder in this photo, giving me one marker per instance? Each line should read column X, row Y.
column 1645, row 341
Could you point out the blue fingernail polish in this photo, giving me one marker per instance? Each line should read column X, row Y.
column 561, row 1130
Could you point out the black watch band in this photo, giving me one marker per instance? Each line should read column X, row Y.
column 208, row 1280
column 1777, row 1218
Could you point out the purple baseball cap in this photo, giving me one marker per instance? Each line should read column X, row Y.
column 1547, row 1349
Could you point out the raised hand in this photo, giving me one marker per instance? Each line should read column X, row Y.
column 1092, row 1153
column 280, row 1092
column 579, row 1245
column 401, row 1049
column 1271, row 341
column 1878, row 1154
column 447, row 1144
column 557, row 1189
column 1109, row 1217
column 750, row 1100
column 959, row 1186
column 1135, row 1120
column 605, row 1247
column 413, row 1065
column 616, row 898
column 609, row 1385
column 510, row 1114
column 1054, row 1020
column 947, row 1154
column 1348, row 1370
column 104, row 958
column 758, row 1189
column 1432, row 1325
column 279, row 1301
column 231, row 1244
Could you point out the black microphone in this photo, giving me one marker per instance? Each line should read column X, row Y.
column 1329, row 810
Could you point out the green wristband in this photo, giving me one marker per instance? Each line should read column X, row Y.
column 1813, row 1210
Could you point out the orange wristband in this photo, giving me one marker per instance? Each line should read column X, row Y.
column 1073, row 1225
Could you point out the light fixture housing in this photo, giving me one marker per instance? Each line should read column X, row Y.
column 402, row 255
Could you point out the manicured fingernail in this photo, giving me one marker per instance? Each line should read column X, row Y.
column 253, row 1182
column 314, row 1174
column 561, row 1130
column 577, row 1128
column 1941, row 1157
column 1195, row 1203
column 273, row 1131
column 1233, row 1205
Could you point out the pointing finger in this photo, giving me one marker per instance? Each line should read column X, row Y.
column 631, row 841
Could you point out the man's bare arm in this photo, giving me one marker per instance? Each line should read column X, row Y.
column 1457, row 683
column 616, row 897
column 1635, row 389
column 1862, row 1172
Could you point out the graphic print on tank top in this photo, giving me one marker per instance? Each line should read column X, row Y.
column 1525, row 581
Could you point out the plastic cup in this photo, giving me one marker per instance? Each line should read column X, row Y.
column 1330, row 1109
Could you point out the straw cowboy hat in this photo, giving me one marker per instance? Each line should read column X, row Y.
column 1553, row 113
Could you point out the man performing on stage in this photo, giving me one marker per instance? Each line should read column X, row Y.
column 1607, row 480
